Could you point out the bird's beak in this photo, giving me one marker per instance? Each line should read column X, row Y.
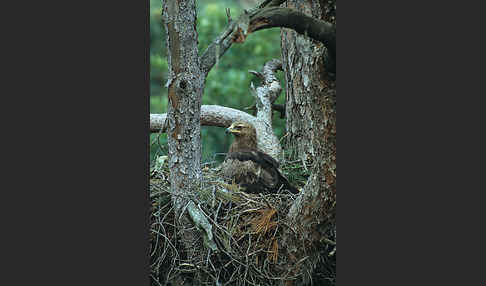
column 232, row 129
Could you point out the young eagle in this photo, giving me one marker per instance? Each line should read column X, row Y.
column 253, row 170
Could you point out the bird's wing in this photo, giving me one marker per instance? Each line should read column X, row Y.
column 248, row 174
column 266, row 161
column 270, row 175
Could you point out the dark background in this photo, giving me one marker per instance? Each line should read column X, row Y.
column 76, row 145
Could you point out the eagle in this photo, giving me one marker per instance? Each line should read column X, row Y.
column 245, row 165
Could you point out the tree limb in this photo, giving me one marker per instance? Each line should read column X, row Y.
column 265, row 18
column 216, row 115
column 218, row 47
column 266, row 94
column 318, row 30
column 211, row 115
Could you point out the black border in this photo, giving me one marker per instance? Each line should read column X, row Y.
column 80, row 148
column 408, row 136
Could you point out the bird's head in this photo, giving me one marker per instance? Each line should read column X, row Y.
column 240, row 128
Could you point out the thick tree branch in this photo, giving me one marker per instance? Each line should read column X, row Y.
column 318, row 30
column 269, row 79
column 268, row 92
column 218, row 47
column 271, row 88
column 211, row 115
column 264, row 18
column 215, row 115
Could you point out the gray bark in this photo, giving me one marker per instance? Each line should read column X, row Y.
column 186, row 83
column 211, row 115
column 311, row 124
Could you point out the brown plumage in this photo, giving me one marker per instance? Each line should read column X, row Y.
column 252, row 169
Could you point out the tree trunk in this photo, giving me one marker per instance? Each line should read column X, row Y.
column 311, row 124
column 186, row 83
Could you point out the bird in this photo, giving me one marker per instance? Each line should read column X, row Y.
column 250, row 168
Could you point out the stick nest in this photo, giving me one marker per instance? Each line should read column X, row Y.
column 246, row 230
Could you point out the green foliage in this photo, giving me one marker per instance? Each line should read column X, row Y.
column 228, row 82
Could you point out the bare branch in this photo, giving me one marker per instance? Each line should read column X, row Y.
column 268, row 92
column 211, row 115
column 219, row 46
column 318, row 30
column 269, row 77
column 228, row 15
column 215, row 115
column 255, row 73
column 263, row 18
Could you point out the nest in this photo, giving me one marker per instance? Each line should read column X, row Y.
column 238, row 239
